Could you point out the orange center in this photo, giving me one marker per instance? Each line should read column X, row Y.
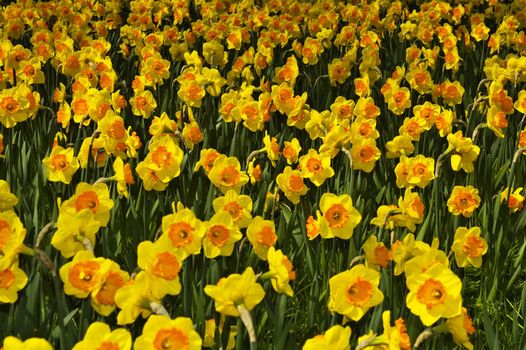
column 141, row 102
column 82, row 274
column 359, row 292
column 473, row 246
column 166, row 266
column 266, row 237
column 87, row 200
column 218, row 235
column 381, row 255
column 117, row 130
column 465, row 201
column 128, row 176
column 419, row 169
column 5, row 234
column 399, row 98
column 431, row 293
column 161, row 156
column 229, row 176
column 171, row 339
column 336, row 216
column 181, row 234
column 288, row 152
column 7, row 278
column 108, row 345
column 288, row 264
column 296, row 183
column 234, row 209
column 10, row 105
column 59, row 162
column 106, row 294
column 314, row 165
column 366, row 154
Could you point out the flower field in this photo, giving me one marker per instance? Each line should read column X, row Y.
column 262, row 174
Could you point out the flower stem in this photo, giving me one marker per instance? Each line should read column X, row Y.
column 247, row 321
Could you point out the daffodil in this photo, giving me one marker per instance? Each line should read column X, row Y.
column 434, row 293
column 161, row 332
column 235, row 290
column 354, row 292
column 338, row 216
column 100, row 336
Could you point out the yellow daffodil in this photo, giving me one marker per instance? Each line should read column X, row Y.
column 100, row 336
column 335, row 338
column 236, row 290
column 434, row 293
column 220, row 236
column 338, row 216
column 262, row 235
column 469, row 246
column 354, row 292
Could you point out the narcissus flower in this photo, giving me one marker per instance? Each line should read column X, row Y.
column 98, row 153
column 12, row 280
column 515, row 200
column 412, row 209
column 354, row 292
column 469, row 246
column 13, row 343
column 164, row 158
column 220, row 236
column 161, row 332
column 134, row 299
column 83, row 274
column 61, row 164
column 262, row 235
column 7, row 199
column 143, row 103
column 123, row 176
column 316, row 167
column 73, row 228
column 226, row 174
column 425, row 257
column 463, row 152
column 402, row 251
column 399, row 100
column 236, row 290
column 207, row 159
column 376, row 253
column 113, row 132
column 238, row 206
column 12, row 234
column 434, row 294
column 184, row 231
column 335, row 338
column 291, row 183
column 291, row 151
column 497, row 121
column 281, row 272
column 100, row 336
column 414, row 171
column 396, row 336
column 461, row 327
column 94, row 198
column 388, row 216
column 365, row 154
column 272, row 149
column 338, row 216
column 393, row 338
column 463, row 201
column 161, row 264
column 103, row 296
